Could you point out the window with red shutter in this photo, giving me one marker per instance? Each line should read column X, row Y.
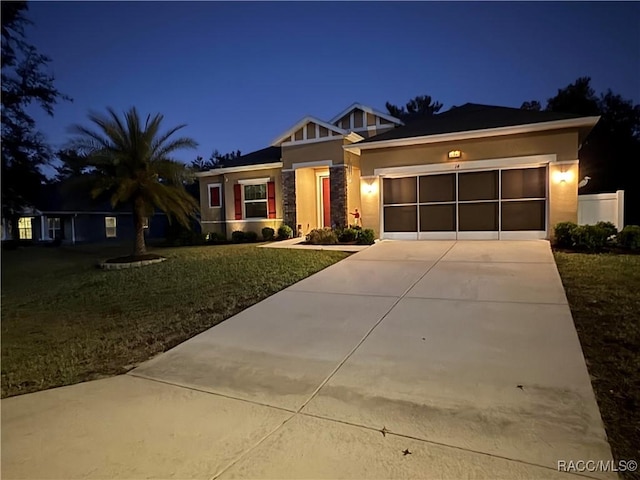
column 215, row 197
column 237, row 200
column 271, row 199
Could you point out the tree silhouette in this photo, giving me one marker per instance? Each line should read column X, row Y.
column 24, row 82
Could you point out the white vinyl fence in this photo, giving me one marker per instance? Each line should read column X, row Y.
column 601, row 207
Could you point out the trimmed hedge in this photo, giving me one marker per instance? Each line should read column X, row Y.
column 322, row 236
column 348, row 235
column 563, row 233
column 268, row 234
column 285, row 232
column 595, row 238
column 238, row 236
column 629, row 237
column 366, row 237
column 590, row 238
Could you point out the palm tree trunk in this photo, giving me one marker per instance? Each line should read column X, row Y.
column 139, row 247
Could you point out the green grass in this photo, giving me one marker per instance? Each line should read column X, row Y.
column 604, row 295
column 64, row 321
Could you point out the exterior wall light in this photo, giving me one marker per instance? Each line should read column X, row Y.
column 369, row 188
column 563, row 176
column 454, row 154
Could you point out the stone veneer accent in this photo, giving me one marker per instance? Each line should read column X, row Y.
column 338, row 189
column 289, row 200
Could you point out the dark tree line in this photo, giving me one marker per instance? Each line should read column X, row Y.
column 25, row 81
column 215, row 160
column 610, row 156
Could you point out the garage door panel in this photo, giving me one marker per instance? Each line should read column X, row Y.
column 401, row 219
column 400, row 190
column 478, row 186
column 438, row 218
column 478, row 217
column 524, row 183
column 438, row 188
column 524, row 215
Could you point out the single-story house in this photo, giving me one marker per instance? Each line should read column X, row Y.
column 472, row 172
column 74, row 218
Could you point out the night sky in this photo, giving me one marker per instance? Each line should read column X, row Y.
column 240, row 74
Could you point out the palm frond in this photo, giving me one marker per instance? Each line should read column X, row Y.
column 132, row 162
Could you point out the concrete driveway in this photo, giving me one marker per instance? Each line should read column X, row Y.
column 433, row 359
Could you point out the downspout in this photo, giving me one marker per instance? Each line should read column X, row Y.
column 73, row 229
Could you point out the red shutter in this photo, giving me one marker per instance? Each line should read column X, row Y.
column 237, row 197
column 271, row 199
column 214, row 195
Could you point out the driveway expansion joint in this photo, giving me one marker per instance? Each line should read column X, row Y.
column 439, row 444
column 208, row 392
column 335, row 370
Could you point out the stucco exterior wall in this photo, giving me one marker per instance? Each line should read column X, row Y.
column 222, row 220
column 370, row 202
column 563, row 195
column 353, row 194
column 313, row 152
column 563, row 144
column 207, row 213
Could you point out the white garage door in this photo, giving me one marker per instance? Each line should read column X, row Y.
column 489, row 204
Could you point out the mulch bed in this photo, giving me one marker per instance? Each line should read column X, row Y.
column 134, row 258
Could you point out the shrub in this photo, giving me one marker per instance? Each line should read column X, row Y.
column 629, row 237
column 366, row 237
column 251, row 237
column 178, row 235
column 348, row 235
column 214, row 237
column 608, row 227
column 591, row 238
column 322, row 236
column 564, row 234
column 285, row 232
column 268, row 233
column 237, row 236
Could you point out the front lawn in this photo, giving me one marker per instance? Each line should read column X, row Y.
column 64, row 321
column 604, row 295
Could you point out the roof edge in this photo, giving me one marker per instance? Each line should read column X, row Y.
column 580, row 122
column 309, row 118
column 367, row 109
column 240, row 168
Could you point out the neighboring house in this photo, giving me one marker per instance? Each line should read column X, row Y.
column 74, row 218
column 473, row 172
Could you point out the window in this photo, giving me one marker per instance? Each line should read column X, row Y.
column 110, row 225
column 53, row 227
column 215, row 197
column 255, row 201
column 24, row 228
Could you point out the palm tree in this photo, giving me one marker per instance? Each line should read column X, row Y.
column 131, row 162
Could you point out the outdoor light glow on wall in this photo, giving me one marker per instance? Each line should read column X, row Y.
column 369, row 188
column 454, row 154
column 563, row 176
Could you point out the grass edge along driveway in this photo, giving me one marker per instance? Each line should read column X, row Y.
column 64, row 321
column 603, row 293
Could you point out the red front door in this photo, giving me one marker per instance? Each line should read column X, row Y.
column 326, row 203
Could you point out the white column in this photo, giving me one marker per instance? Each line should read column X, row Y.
column 73, row 229
column 43, row 221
